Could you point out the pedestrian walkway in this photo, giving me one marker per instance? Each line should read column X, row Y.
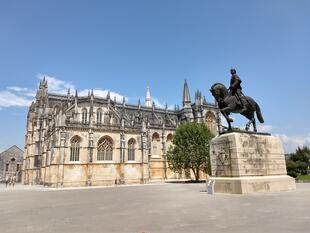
column 160, row 208
column 21, row 187
column 18, row 187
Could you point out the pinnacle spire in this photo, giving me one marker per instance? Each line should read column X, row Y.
column 148, row 98
column 204, row 101
column 186, row 96
column 139, row 104
column 124, row 101
column 44, row 83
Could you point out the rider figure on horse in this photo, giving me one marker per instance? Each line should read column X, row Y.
column 236, row 89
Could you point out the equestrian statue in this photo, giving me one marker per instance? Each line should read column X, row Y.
column 232, row 100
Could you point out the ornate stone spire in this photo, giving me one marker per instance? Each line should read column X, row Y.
column 198, row 98
column 124, row 102
column 153, row 106
column 76, row 102
column 139, row 103
column 186, row 97
column 68, row 97
column 204, row 101
column 148, row 98
column 44, row 83
column 92, row 96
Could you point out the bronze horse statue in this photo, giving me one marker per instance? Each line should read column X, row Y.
column 228, row 103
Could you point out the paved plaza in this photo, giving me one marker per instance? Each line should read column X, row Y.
column 152, row 208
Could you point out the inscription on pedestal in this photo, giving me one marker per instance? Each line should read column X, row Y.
column 222, row 159
column 241, row 163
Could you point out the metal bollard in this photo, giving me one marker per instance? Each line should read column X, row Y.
column 210, row 187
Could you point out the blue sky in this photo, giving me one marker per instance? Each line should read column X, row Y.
column 124, row 46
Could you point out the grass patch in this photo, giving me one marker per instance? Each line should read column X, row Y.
column 303, row 177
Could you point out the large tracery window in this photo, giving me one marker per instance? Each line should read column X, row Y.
column 75, row 148
column 105, row 149
column 131, row 149
column 169, row 141
column 156, row 144
column 211, row 122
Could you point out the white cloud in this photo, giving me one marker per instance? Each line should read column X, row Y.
column 171, row 107
column 158, row 103
column 23, row 96
column 103, row 94
column 10, row 98
column 61, row 87
column 56, row 85
column 18, row 89
column 22, row 91
column 264, row 128
column 291, row 143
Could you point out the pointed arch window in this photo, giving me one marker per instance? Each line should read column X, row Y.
column 156, row 144
column 131, row 149
column 84, row 116
column 169, row 142
column 105, row 149
column 56, row 109
column 75, row 148
column 169, row 138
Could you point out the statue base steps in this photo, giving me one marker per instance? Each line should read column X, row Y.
column 244, row 163
column 253, row 184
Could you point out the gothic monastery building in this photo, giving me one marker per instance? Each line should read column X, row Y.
column 76, row 140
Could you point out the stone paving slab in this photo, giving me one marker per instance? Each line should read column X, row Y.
column 152, row 208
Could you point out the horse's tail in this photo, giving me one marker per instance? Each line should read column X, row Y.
column 259, row 113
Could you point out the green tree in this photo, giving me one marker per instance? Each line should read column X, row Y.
column 298, row 163
column 191, row 149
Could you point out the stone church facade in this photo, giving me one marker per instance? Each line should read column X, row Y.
column 11, row 161
column 76, row 140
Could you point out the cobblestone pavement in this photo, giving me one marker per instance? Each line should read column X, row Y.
column 151, row 209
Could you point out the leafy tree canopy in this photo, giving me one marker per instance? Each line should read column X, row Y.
column 191, row 149
column 298, row 163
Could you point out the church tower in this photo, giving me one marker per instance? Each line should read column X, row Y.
column 187, row 111
column 148, row 98
column 186, row 97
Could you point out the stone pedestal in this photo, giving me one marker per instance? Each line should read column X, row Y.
column 244, row 163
